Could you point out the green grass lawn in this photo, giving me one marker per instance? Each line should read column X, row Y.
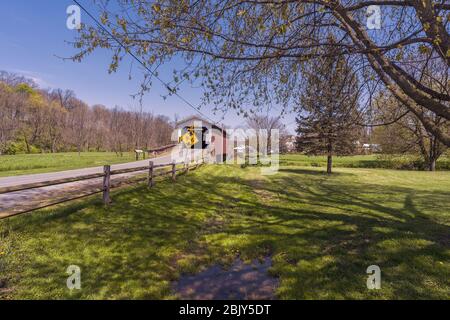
column 377, row 161
column 49, row 162
column 321, row 231
column 11, row 165
column 304, row 160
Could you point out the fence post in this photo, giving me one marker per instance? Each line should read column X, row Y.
column 106, row 184
column 187, row 166
column 150, row 174
column 174, row 172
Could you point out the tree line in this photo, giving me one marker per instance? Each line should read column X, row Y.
column 55, row 120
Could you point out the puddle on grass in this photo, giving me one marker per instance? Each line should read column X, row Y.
column 240, row 281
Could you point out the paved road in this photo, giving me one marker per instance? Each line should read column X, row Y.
column 40, row 177
column 11, row 203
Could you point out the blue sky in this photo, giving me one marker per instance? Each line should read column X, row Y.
column 33, row 35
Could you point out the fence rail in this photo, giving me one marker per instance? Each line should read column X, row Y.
column 106, row 186
column 42, row 184
column 154, row 151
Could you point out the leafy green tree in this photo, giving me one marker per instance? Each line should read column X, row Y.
column 407, row 135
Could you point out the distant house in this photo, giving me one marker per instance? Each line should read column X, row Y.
column 372, row 147
column 208, row 136
column 368, row 148
column 290, row 143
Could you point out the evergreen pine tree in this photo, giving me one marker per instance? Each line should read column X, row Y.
column 328, row 109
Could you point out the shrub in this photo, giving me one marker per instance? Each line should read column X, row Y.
column 18, row 147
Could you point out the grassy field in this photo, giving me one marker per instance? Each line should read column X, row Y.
column 376, row 161
column 49, row 162
column 39, row 163
column 321, row 231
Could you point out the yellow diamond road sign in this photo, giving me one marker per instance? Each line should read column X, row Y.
column 189, row 139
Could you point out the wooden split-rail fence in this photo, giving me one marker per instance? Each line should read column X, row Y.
column 153, row 171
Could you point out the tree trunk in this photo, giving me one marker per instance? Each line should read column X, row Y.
column 329, row 163
column 434, row 153
column 329, row 156
column 432, row 164
column 53, row 148
column 27, row 144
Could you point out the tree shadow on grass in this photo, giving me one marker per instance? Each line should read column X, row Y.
column 124, row 251
column 330, row 232
column 316, row 172
column 321, row 232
